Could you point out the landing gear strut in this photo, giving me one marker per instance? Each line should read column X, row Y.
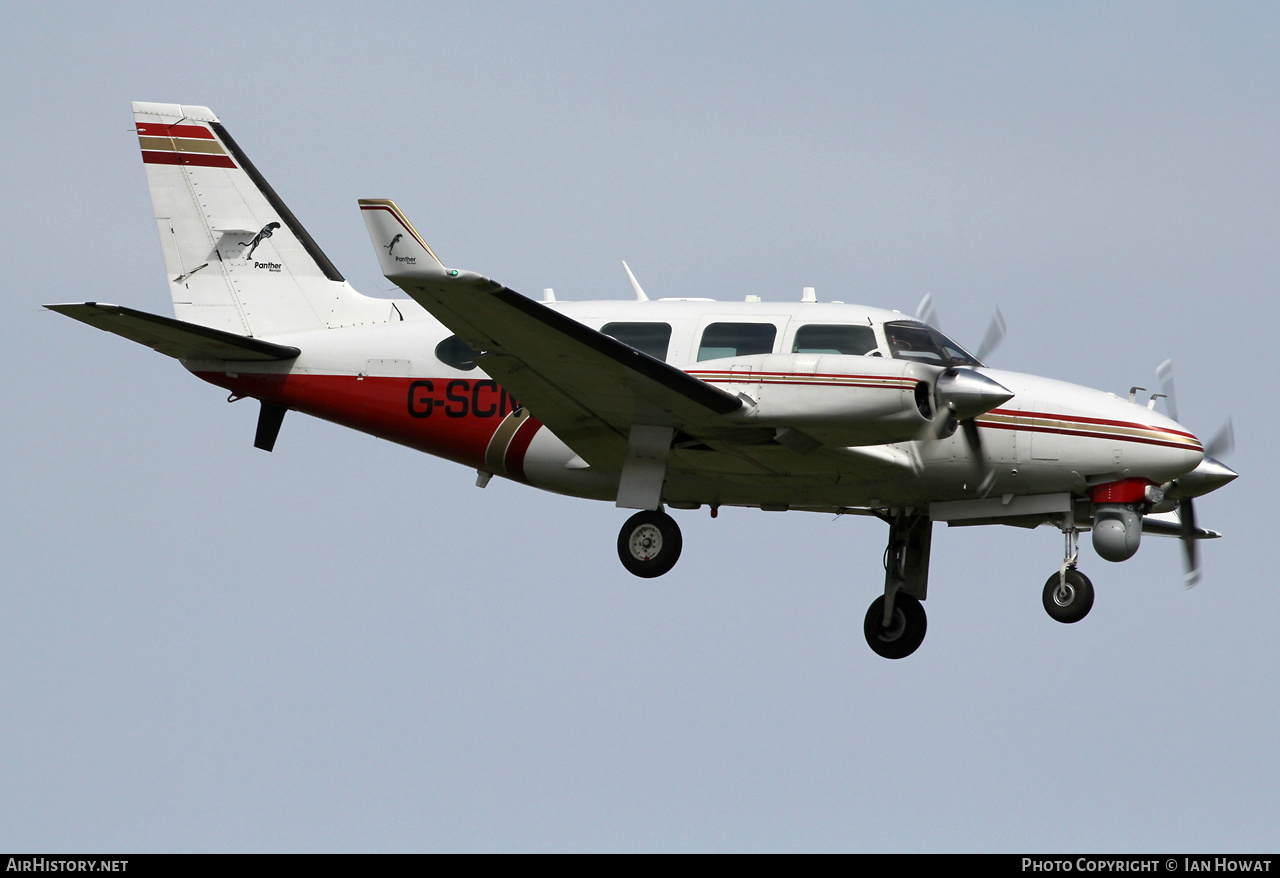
column 895, row 623
column 649, row 543
column 1068, row 594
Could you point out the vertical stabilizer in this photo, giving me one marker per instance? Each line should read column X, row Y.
column 236, row 257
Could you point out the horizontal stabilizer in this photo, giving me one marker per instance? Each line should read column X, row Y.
column 175, row 338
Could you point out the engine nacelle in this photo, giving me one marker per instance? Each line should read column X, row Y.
column 1117, row 531
column 838, row 399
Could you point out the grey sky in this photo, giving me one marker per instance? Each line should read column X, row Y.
column 344, row 645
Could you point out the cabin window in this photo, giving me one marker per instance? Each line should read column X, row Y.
column 648, row 338
column 818, row 338
column 917, row 341
column 455, row 352
column 736, row 340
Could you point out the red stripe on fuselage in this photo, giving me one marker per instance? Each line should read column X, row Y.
column 151, row 129
column 758, row 375
column 1078, row 419
column 775, row 383
column 151, row 157
column 1114, row 437
column 453, row 418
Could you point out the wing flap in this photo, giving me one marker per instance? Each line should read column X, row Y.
column 175, row 338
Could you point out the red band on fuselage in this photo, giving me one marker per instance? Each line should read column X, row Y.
column 453, row 418
column 1121, row 437
column 1079, row 419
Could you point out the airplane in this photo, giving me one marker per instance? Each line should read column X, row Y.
column 674, row 403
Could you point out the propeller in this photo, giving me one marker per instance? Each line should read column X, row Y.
column 1222, row 442
column 927, row 313
column 1211, row 471
column 962, row 395
column 994, row 335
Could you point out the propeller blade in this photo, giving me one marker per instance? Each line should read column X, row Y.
column 1222, row 442
column 1165, row 373
column 995, row 335
column 1208, row 476
column 1187, row 515
column 983, row 475
column 973, row 437
column 926, row 312
column 943, row 424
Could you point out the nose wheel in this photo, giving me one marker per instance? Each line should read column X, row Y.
column 649, row 544
column 1068, row 597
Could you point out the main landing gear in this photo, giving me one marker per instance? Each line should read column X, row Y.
column 1068, row 595
column 649, row 543
column 895, row 623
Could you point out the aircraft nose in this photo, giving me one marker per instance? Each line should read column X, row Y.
column 969, row 393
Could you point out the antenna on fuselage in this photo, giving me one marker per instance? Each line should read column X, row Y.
column 809, row 295
column 635, row 284
column 548, row 296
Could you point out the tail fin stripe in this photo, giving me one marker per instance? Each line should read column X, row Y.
column 151, row 157
column 169, row 144
column 155, row 130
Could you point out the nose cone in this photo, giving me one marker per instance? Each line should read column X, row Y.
column 969, row 393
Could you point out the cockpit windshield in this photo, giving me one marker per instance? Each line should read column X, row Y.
column 923, row 343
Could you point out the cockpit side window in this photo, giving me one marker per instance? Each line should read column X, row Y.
column 918, row 341
column 650, row 338
column 736, row 340
column 819, row 338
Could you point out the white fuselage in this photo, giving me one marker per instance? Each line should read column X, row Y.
column 387, row 379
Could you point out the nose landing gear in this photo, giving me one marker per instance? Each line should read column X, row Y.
column 1068, row 594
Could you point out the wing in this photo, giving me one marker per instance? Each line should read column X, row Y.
column 589, row 389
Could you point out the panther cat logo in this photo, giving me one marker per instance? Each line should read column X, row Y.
column 258, row 239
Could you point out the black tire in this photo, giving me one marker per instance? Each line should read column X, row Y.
column 1074, row 603
column 906, row 633
column 649, row 544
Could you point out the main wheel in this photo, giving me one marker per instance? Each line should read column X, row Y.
column 1070, row 601
column 649, row 543
column 904, row 634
